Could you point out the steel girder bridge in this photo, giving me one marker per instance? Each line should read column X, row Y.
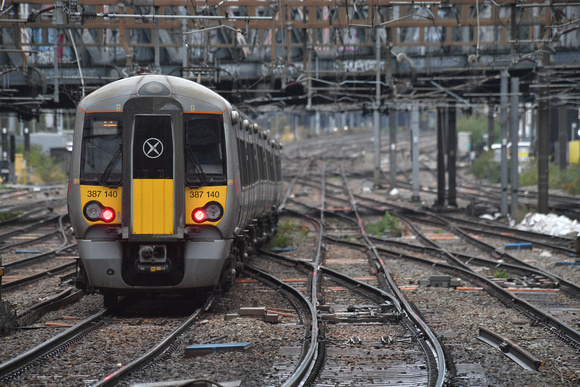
column 316, row 54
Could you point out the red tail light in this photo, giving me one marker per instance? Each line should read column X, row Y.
column 108, row 215
column 211, row 212
column 95, row 211
column 198, row 215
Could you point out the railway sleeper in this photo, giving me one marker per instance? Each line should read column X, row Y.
column 358, row 318
column 364, row 314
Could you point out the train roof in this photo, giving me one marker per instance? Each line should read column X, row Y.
column 193, row 96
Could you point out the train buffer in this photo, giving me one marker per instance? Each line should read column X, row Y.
column 519, row 246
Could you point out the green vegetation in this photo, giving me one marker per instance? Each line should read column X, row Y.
column 388, row 224
column 567, row 180
column 570, row 180
column 485, row 167
column 9, row 215
column 286, row 234
column 529, row 176
column 43, row 168
column 501, row 274
column 477, row 125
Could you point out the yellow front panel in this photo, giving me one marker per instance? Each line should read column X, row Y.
column 199, row 197
column 153, row 206
column 108, row 197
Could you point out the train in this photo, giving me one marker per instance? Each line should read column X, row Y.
column 171, row 188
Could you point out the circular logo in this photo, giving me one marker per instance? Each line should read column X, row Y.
column 153, row 148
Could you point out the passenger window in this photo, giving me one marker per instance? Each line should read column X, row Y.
column 101, row 148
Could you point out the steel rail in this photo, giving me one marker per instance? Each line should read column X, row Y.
column 358, row 286
column 433, row 349
column 565, row 332
column 30, row 241
column 510, row 349
column 25, row 215
column 157, row 350
column 419, row 216
column 66, row 297
column 29, row 228
column 34, row 204
column 16, row 192
column 291, row 186
column 547, row 246
column 296, row 379
column 307, row 372
column 451, row 257
column 37, row 276
column 567, row 286
column 34, row 258
column 559, row 204
column 303, row 371
column 317, row 361
column 536, row 315
column 435, row 345
column 469, row 259
column 376, row 294
column 523, row 235
column 18, row 364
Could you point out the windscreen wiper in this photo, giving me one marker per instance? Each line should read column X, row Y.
column 201, row 176
column 104, row 177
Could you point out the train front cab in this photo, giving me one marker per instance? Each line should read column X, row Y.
column 153, row 188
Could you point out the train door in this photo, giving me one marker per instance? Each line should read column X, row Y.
column 153, row 204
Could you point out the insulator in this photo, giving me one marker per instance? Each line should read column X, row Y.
column 91, row 15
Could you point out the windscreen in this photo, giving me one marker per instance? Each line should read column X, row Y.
column 101, row 147
column 205, row 150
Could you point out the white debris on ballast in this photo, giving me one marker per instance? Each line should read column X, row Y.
column 551, row 224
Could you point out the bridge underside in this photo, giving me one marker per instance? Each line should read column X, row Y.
column 313, row 55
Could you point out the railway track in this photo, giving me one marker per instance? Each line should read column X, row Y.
column 532, row 276
column 290, row 318
column 339, row 295
column 21, row 205
column 145, row 333
column 428, row 365
column 39, row 256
